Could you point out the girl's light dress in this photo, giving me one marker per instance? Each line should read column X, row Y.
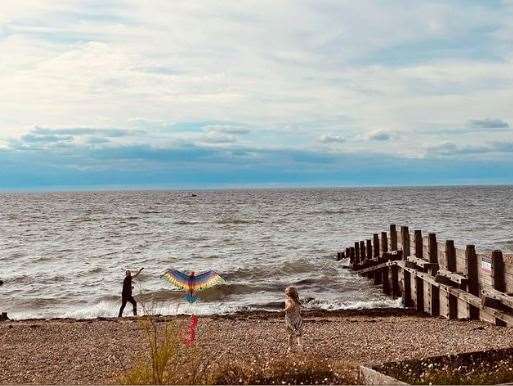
column 293, row 321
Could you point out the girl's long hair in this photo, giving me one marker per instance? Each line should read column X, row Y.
column 291, row 292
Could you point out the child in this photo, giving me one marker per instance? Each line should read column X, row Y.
column 293, row 319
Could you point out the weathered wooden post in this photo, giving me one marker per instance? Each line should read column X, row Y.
column 357, row 254
column 368, row 249
column 405, row 238
column 384, row 242
column 473, row 278
column 394, row 270
column 368, row 255
column 419, row 283
column 433, row 259
column 363, row 256
column 419, row 244
column 498, row 277
column 380, row 276
column 375, row 244
column 352, row 257
column 450, row 255
column 393, row 237
column 371, row 249
column 433, row 253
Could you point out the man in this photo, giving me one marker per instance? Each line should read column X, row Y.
column 126, row 294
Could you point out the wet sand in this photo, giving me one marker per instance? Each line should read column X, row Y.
column 99, row 350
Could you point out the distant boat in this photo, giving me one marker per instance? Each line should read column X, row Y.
column 194, row 195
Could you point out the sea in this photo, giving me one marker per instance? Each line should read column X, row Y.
column 64, row 254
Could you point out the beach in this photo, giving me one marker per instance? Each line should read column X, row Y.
column 99, row 351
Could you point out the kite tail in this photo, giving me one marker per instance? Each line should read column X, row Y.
column 193, row 324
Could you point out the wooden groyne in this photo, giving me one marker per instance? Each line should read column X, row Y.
column 436, row 277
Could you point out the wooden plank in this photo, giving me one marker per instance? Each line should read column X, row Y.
column 444, row 276
column 373, row 268
column 498, row 296
column 422, row 264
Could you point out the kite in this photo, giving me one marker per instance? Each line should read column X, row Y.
column 192, row 283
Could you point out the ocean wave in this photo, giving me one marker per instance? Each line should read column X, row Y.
column 237, row 221
column 216, row 293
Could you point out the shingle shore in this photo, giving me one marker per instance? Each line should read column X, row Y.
column 99, row 350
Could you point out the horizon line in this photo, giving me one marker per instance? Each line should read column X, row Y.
column 229, row 187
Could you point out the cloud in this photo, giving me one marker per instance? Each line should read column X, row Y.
column 380, row 135
column 328, row 139
column 49, row 136
column 85, row 131
column 450, row 149
column 95, row 76
column 45, row 138
column 488, row 123
column 233, row 130
column 189, row 165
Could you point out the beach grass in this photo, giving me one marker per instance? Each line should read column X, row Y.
column 169, row 361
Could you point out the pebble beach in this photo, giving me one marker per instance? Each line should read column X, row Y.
column 99, row 350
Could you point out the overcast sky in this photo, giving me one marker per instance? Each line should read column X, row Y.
column 99, row 94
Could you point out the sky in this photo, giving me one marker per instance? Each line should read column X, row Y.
column 103, row 94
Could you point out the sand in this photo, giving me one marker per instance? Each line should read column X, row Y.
column 99, row 350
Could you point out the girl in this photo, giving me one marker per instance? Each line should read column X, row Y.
column 293, row 319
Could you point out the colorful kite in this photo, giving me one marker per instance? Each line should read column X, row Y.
column 192, row 283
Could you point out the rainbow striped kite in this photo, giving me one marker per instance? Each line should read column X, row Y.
column 192, row 283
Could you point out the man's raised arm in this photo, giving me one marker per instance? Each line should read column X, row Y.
column 137, row 274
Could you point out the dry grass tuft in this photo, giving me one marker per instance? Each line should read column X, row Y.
column 289, row 370
column 168, row 360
